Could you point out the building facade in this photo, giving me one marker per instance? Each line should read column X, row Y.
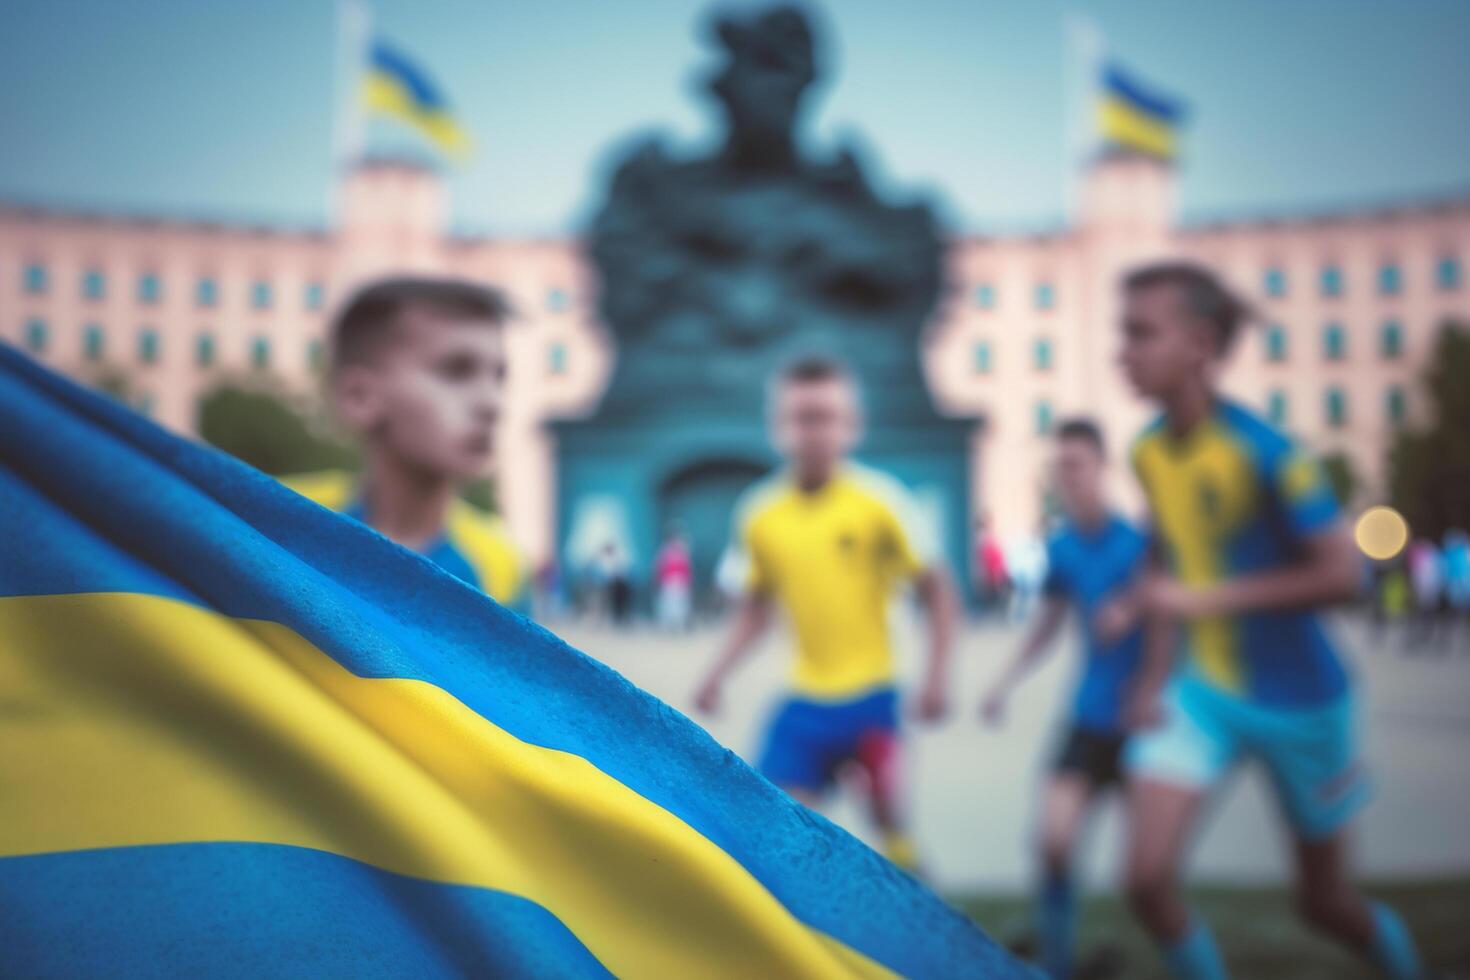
column 1349, row 304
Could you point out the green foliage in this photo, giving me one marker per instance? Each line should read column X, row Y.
column 270, row 431
column 1342, row 476
column 1429, row 468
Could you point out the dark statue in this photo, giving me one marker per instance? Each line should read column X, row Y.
column 714, row 272
column 717, row 269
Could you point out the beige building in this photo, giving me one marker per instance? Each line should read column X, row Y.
column 1349, row 303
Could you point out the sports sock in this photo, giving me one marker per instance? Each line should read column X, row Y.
column 1056, row 916
column 1393, row 947
column 1195, row 956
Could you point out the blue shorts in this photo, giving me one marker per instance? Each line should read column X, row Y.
column 807, row 741
column 1311, row 753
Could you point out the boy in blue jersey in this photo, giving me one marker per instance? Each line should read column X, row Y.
column 417, row 374
column 1248, row 545
column 1093, row 558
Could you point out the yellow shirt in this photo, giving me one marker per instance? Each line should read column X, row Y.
column 833, row 558
column 477, row 538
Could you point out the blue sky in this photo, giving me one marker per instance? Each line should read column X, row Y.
column 224, row 109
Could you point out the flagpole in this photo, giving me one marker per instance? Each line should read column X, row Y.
column 1085, row 51
column 354, row 33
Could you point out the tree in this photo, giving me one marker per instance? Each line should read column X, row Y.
column 1429, row 468
column 1342, row 476
column 270, row 430
column 278, row 434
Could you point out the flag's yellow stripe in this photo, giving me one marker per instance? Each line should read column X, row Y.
column 386, row 94
column 1124, row 124
column 132, row 720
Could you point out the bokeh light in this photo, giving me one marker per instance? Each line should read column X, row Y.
column 1381, row 533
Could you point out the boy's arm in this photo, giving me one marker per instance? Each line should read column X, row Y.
column 1038, row 641
column 752, row 617
column 1329, row 572
column 941, row 607
column 1142, row 709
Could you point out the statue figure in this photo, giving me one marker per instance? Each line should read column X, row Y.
column 714, row 270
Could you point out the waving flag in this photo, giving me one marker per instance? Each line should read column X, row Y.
column 1135, row 117
column 240, row 735
column 395, row 86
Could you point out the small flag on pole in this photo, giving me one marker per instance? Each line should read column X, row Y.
column 394, row 86
column 1134, row 117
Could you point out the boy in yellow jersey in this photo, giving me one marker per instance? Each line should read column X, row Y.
column 830, row 541
column 1249, row 545
column 417, row 374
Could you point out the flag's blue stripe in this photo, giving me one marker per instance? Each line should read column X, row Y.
column 1150, row 103
column 160, row 511
column 390, row 62
column 264, row 910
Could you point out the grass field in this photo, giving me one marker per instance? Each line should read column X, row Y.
column 1257, row 931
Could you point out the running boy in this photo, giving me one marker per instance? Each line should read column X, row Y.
column 830, row 541
column 1251, row 546
column 1094, row 557
column 417, row 374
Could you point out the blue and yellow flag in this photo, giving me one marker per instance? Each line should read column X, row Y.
column 394, row 86
column 241, row 735
column 1135, row 118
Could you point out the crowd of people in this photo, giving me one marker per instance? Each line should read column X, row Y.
column 1202, row 641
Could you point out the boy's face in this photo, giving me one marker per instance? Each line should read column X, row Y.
column 816, row 424
column 1164, row 344
column 429, row 398
column 1077, row 470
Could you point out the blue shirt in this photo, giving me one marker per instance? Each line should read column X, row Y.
column 1236, row 497
column 1088, row 568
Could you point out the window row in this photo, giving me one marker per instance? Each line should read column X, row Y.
column 1390, row 280
column 983, row 357
column 1335, row 406
column 1335, row 341
column 1043, row 296
column 149, row 289
column 148, row 345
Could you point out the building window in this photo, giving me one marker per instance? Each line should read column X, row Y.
column 1331, row 280
column 1395, row 405
column 1336, row 407
column 94, row 286
column 982, row 357
column 260, row 353
column 260, row 295
column 1389, row 279
column 556, row 299
column 148, row 345
column 1334, row 342
column 206, row 293
column 985, row 296
column 204, row 350
column 315, row 295
column 1041, row 354
column 1275, row 282
column 1391, row 341
column 1276, row 406
column 36, row 334
column 556, row 358
column 1275, row 342
column 1043, row 417
column 1046, row 296
column 149, row 288
column 92, row 342
column 315, row 354
column 35, row 278
column 1447, row 273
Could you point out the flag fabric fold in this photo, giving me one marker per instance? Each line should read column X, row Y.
column 242, row 735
